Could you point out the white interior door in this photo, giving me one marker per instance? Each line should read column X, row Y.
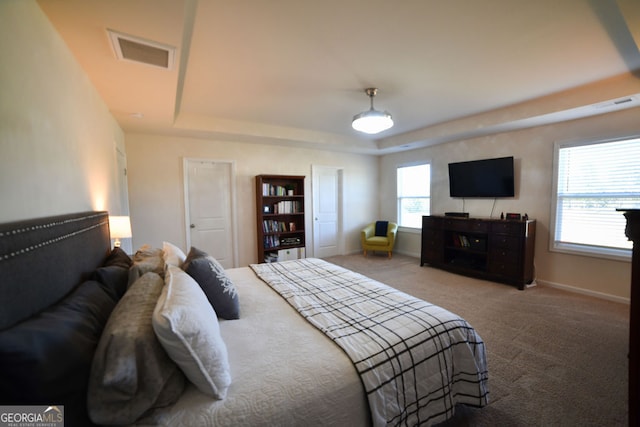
column 327, row 210
column 210, row 194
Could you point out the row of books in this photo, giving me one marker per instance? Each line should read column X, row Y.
column 273, row 190
column 474, row 243
column 461, row 240
column 288, row 206
column 271, row 257
column 271, row 242
column 273, row 226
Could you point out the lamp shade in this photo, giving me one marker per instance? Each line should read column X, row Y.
column 119, row 228
column 372, row 121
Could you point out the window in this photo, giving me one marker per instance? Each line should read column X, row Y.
column 592, row 180
column 414, row 194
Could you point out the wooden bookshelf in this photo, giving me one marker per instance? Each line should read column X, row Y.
column 280, row 215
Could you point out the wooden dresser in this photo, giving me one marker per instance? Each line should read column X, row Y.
column 632, row 231
column 493, row 249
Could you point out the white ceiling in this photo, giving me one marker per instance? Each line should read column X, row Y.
column 294, row 71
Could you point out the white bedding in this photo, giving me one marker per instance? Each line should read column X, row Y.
column 417, row 361
column 284, row 371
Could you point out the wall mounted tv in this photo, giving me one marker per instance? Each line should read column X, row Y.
column 489, row 178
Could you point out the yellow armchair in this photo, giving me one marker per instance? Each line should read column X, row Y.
column 372, row 242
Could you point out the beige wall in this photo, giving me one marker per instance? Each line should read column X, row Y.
column 156, row 186
column 57, row 138
column 533, row 153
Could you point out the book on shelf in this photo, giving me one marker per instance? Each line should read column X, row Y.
column 287, row 207
column 271, row 257
column 271, row 242
column 273, row 226
column 461, row 240
column 273, row 190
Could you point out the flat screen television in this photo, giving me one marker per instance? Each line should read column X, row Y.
column 488, row 178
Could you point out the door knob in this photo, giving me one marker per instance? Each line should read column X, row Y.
column 192, row 226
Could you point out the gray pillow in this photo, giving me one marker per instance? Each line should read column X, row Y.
column 217, row 286
column 131, row 372
column 194, row 253
column 47, row 358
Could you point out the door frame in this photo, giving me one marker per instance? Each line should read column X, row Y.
column 232, row 195
column 340, row 209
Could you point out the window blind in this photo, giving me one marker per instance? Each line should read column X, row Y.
column 414, row 194
column 593, row 180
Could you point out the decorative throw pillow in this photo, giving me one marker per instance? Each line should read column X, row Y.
column 194, row 253
column 131, row 371
column 114, row 280
column 187, row 327
column 118, row 257
column 381, row 228
column 146, row 259
column 47, row 358
column 217, row 286
column 173, row 255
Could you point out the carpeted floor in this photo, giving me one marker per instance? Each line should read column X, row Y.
column 555, row 358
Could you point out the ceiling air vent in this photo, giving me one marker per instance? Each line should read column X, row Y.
column 130, row 48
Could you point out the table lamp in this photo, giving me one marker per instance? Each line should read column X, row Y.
column 119, row 228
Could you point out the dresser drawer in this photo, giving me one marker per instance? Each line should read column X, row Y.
column 513, row 228
column 430, row 222
column 432, row 244
column 430, row 234
column 467, row 225
column 505, row 255
column 504, row 269
column 504, row 241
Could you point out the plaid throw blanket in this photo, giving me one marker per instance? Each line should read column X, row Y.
column 416, row 360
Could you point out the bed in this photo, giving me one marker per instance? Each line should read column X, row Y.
column 287, row 353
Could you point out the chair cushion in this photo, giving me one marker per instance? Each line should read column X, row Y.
column 381, row 228
column 377, row 241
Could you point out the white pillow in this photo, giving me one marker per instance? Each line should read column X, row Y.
column 173, row 255
column 187, row 327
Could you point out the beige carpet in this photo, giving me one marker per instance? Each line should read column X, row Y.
column 555, row 358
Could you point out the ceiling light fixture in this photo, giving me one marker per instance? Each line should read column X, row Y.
column 372, row 121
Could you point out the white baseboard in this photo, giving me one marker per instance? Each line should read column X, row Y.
column 576, row 290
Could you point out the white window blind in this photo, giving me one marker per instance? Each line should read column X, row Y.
column 593, row 180
column 414, row 194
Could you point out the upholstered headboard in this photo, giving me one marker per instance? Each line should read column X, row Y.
column 42, row 260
